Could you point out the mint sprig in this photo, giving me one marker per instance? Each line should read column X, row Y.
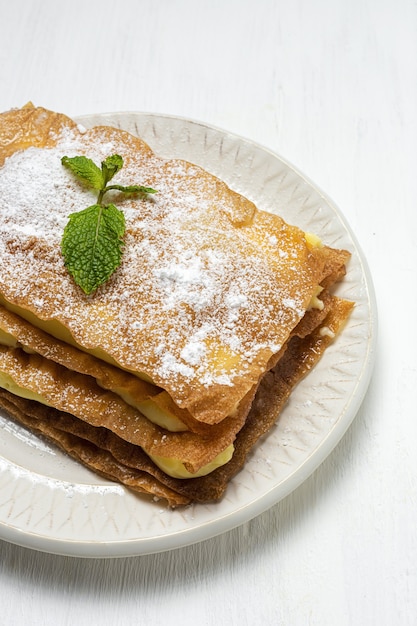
column 92, row 242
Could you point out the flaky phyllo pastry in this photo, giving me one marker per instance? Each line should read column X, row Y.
column 165, row 377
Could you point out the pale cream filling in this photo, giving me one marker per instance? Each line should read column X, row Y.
column 150, row 409
column 156, row 414
column 313, row 241
column 7, row 383
column 315, row 302
column 176, row 469
column 59, row 331
column 171, row 466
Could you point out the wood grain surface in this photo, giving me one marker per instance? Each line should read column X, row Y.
column 331, row 85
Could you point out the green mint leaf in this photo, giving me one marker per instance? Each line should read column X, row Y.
column 111, row 166
column 85, row 169
column 92, row 245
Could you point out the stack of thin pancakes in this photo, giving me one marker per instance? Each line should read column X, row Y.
column 166, row 377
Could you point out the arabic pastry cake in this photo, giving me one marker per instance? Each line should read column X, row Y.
column 166, row 376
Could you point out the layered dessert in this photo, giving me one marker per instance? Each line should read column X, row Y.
column 165, row 375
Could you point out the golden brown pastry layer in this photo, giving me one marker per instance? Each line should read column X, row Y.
column 209, row 317
column 209, row 288
column 114, row 458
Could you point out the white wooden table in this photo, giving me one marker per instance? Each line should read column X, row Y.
column 332, row 86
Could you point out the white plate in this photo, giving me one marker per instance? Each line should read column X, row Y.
column 49, row 502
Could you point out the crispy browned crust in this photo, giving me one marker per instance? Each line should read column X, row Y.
column 29, row 126
column 238, row 392
column 96, row 323
column 43, row 421
column 38, row 366
column 109, row 455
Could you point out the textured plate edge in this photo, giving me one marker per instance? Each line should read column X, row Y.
column 186, row 537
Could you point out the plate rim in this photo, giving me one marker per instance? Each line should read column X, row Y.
column 191, row 535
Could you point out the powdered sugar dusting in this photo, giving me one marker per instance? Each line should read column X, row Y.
column 197, row 301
